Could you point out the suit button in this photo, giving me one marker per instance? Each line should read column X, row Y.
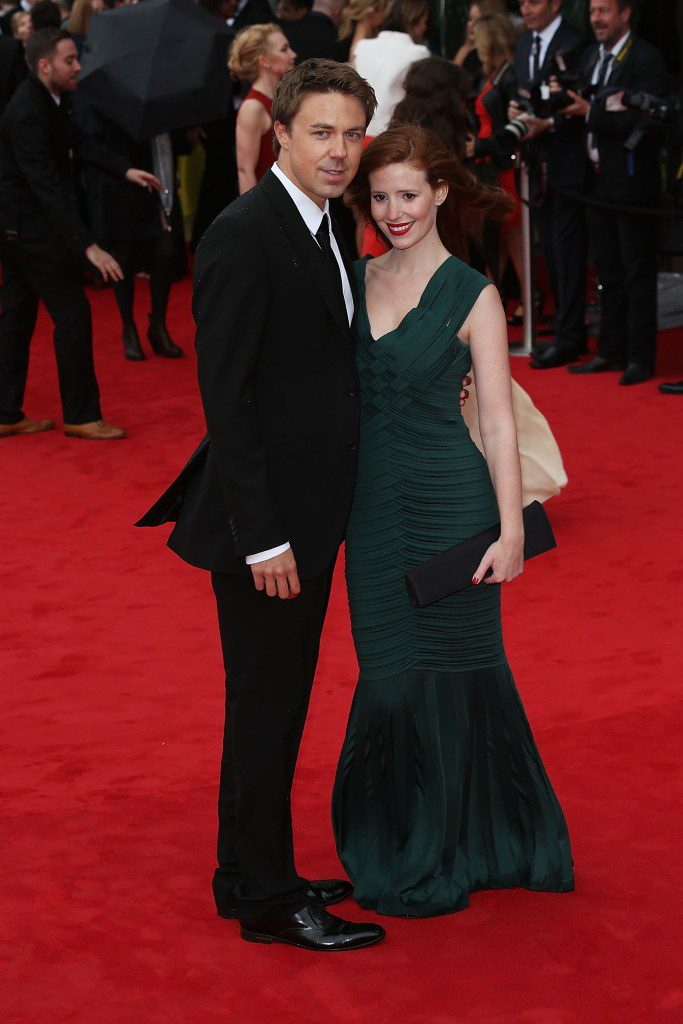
column 353, row 392
column 351, row 445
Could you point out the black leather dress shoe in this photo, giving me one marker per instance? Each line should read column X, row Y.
column 598, row 364
column 326, row 892
column 313, row 928
column 551, row 356
column 672, row 387
column 160, row 340
column 634, row 374
column 132, row 349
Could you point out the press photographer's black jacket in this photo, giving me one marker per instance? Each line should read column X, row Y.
column 280, row 391
column 501, row 144
column 628, row 177
column 563, row 148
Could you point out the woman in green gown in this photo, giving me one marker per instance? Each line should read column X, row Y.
column 440, row 789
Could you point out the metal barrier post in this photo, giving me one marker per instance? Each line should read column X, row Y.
column 528, row 277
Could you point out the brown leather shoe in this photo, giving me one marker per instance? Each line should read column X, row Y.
column 98, row 430
column 25, row 426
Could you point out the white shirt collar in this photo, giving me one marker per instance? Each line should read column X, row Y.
column 548, row 32
column 618, row 47
column 311, row 213
column 56, row 97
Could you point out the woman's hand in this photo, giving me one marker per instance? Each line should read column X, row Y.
column 464, row 394
column 506, row 558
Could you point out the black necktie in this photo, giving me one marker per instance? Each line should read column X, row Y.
column 323, row 237
column 536, row 50
column 604, row 69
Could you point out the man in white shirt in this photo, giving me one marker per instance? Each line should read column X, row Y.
column 556, row 160
column 264, row 501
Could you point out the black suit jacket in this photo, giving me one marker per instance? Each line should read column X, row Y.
column 13, row 69
column 314, row 35
column 280, row 391
column 628, row 177
column 39, row 143
column 564, row 148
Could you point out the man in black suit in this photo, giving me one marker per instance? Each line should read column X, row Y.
column 13, row 69
column 557, row 160
column 623, row 242
column 43, row 240
column 310, row 33
column 264, row 500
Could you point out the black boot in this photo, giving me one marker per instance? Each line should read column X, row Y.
column 160, row 339
column 132, row 349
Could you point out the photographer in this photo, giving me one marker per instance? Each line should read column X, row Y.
column 622, row 147
column 556, row 159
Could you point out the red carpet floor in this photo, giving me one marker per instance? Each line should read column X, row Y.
column 111, row 725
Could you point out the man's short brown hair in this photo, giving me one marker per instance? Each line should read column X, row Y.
column 315, row 76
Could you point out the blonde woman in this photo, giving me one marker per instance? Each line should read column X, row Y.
column 20, row 23
column 493, row 147
column 260, row 55
column 81, row 13
column 383, row 61
column 467, row 56
column 361, row 19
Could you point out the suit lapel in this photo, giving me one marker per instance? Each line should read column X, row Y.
column 619, row 66
column 304, row 245
column 350, row 273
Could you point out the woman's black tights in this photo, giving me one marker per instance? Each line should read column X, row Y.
column 155, row 256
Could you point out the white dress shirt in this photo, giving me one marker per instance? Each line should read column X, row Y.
column 611, row 56
column 546, row 35
column 383, row 63
column 312, row 217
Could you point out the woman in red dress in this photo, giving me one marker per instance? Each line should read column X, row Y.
column 261, row 55
column 493, row 146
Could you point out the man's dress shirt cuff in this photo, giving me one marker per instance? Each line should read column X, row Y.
column 261, row 556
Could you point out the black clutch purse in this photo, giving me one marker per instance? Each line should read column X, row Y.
column 453, row 569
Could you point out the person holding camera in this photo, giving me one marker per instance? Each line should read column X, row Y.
column 556, row 161
column 622, row 146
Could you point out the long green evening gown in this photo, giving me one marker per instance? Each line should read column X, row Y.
column 440, row 789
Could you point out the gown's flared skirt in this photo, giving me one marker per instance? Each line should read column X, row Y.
column 441, row 791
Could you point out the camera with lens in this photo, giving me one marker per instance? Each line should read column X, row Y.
column 664, row 115
column 565, row 66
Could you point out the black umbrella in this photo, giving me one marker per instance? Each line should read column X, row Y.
column 156, row 66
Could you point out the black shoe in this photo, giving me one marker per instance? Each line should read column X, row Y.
column 598, row 364
column 552, row 356
column 634, row 374
column 672, row 388
column 325, row 893
column 132, row 349
column 313, row 928
column 160, row 340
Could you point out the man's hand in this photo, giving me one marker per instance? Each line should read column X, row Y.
column 277, row 576
column 514, row 110
column 143, row 178
column 579, row 108
column 104, row 262
column 469, row 146
column 464, row 394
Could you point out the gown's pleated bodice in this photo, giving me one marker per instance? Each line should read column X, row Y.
column 422, row 485
column 440, row 789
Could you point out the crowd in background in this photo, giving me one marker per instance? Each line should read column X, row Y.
column 523, row 84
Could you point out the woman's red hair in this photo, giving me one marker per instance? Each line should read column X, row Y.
column 468, row 202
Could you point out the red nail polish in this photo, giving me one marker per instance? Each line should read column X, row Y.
column 475, row 580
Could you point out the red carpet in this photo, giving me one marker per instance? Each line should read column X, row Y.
column 112, row 720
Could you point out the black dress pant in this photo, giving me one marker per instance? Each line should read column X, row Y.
column 561, row 225
column 270, row 651
column 624, row 247
column 25, row 279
